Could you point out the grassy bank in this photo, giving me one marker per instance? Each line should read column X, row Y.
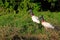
column 20, row 24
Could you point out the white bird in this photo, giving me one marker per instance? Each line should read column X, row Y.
column 46, row 24
column 34, row 18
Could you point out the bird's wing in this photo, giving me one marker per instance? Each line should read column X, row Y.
column 46, row 24
column 37, row 18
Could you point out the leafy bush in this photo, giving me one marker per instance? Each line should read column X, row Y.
column 21, row 23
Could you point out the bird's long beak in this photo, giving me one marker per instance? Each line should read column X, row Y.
column 40, row 18
column 30, row 11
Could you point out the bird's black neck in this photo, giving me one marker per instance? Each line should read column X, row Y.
column 32, row 14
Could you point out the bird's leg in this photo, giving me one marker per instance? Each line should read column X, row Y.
column 46, row 31
column 46, row 28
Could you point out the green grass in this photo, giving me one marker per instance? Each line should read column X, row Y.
column 21, row 24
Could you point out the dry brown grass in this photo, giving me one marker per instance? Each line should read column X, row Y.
column 11, row 33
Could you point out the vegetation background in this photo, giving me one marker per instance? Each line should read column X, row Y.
column 16, row 23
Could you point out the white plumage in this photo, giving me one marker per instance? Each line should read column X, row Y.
column 35, row 19
column 47, row 25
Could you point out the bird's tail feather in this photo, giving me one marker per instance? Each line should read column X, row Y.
column 57, row 28
column 52, row 27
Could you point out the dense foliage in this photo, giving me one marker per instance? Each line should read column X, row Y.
column 45, row 5
column 15, row 19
